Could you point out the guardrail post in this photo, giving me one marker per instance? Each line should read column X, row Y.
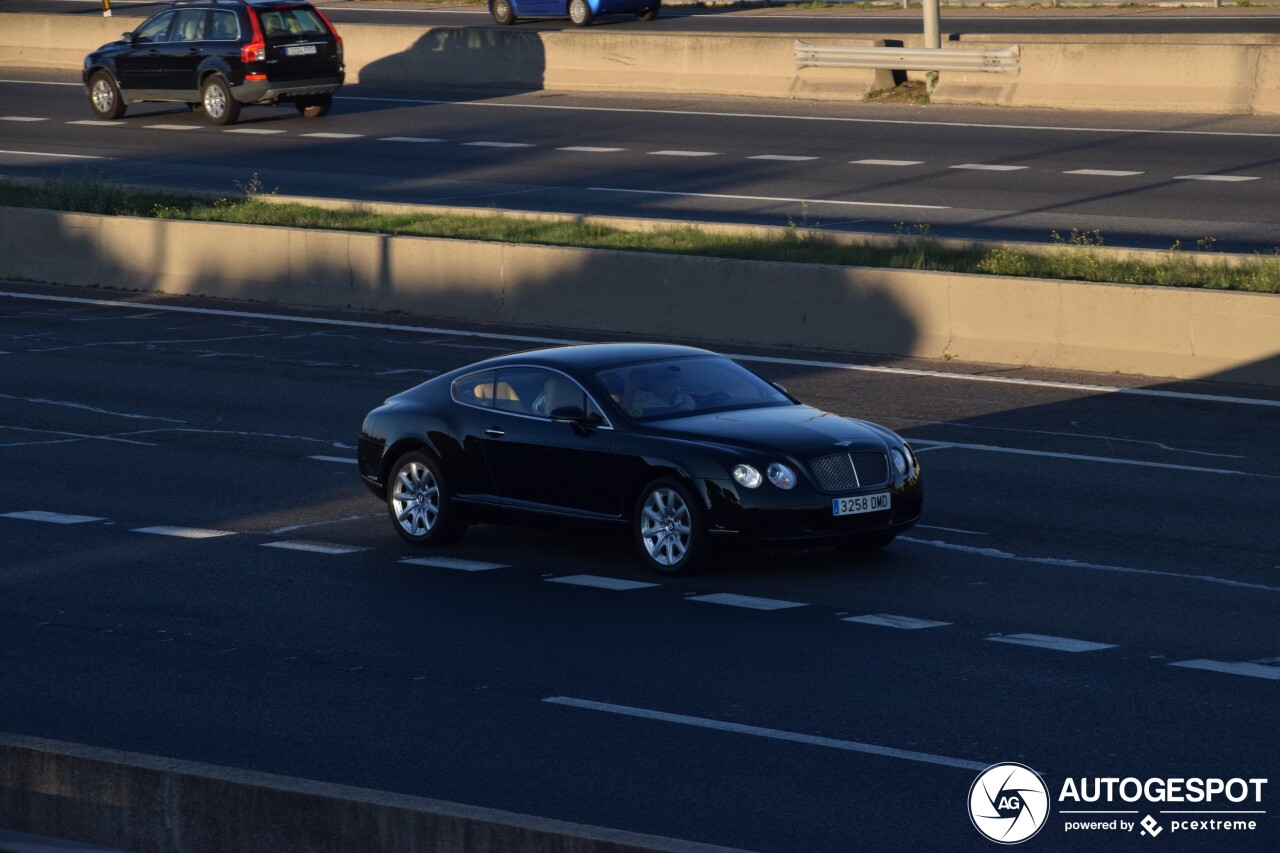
column 106, row 8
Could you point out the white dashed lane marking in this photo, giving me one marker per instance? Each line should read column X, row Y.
column 93, row 122
column 498, row 144
column 261, row 131
column 184, row 532
column 906, row 623
column 1103, row 173
column 590, row 149
column 21, row 118
column 887, row 162
column 348, row 460
column 1223, row 178
column 988, row 167
column 748, row 601
column 1253, row 670
column 172, row 127
column 333, row 135
column 674, row 153
column 1043, row 641
column 790, row 158
column 601, row 583
column 456, row 563
column 314, row 547
column 409, row 139
column 51, row 517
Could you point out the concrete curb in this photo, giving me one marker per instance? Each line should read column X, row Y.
column 1154, row 331
column 149, row 804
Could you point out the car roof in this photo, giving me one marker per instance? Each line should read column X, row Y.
column 591, row 357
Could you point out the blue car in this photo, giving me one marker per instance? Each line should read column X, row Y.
column 581, row 12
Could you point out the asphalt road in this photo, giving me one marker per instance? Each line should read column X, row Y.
column 1131, row 514
column 973, row 173
column 782, row 19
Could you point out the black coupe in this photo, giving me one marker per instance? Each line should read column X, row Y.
column 687, row 447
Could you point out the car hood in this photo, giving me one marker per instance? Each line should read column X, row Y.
column 799, row 430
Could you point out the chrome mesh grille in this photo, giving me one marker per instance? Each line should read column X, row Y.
column 841, row 472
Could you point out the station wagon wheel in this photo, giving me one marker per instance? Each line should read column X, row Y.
column 104, row 97
column 668, row 527
column 502, row 12
column 220, row 106
column 649, row 14
column 315, row 106
column 580, row 12
column 418, row 501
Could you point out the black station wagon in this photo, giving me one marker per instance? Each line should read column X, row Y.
column 216, row 55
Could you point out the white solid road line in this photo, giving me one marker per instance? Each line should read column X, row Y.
column 887, row 620
column 773, row 734
column 184, row 532
column 949, row 529
column 750, row 602
column 1079, row 457
column 1253, row 670
column 314, row 547
column 771, row 198
column 62, row 156
column 601, row 583
column 51, row 517
column 1079, row 564
column 1043, row 641
column 532, row 339
column 456, row 563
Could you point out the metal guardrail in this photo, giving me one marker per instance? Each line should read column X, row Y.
column 1004, row 61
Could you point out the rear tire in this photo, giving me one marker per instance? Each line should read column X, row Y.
column 669, row 527
column 315, row 107
column 580, row 12
column 220, row 106
column 419, row 502
column 502, row 11
column 649, row 14
column 104, row 97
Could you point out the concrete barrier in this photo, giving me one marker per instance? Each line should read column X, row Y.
column 149, row 804
column 1162, row 76
column 1163, row 332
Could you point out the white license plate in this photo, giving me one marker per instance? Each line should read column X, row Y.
column 859, row 504
column 300, row 50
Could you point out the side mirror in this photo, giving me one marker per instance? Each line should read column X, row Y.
column 569, row 415
column 780, row 388
column 127, row 38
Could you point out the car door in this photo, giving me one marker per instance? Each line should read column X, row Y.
column 542, row 464
column 139, row 68
column 185, row 50
column 473, row 396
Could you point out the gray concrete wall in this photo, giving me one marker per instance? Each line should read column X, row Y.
column 1163, row 332
column 148, row 804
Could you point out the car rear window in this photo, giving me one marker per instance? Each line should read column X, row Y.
column 290, row 21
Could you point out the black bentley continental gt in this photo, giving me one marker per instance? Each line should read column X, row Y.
column 686, row 447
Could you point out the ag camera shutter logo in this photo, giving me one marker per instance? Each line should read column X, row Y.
column 1008, row 803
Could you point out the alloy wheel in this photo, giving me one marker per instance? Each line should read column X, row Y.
column 665, row 526
column 416, row 499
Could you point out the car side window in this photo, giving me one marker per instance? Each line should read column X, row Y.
column 154, row 30
column 475, row 389
column 189, row 25
column 223, row 26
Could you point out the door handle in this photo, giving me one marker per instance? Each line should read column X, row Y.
column 153, row 52
column 494, row 432
column 194, row 51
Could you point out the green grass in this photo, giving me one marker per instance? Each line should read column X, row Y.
column 1078, row 256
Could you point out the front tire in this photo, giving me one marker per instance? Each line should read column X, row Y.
column 649, row 14
column 502, row 11
column 419, row 503
column 104, row 97
column 580, row 12
column 316, row 106
column 220, row 106
column 669, row 528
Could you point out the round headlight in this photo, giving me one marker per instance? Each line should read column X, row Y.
column 781, row 476
column 899, row 460
column 747, row 476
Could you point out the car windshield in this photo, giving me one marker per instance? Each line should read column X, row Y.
column 683, row 386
